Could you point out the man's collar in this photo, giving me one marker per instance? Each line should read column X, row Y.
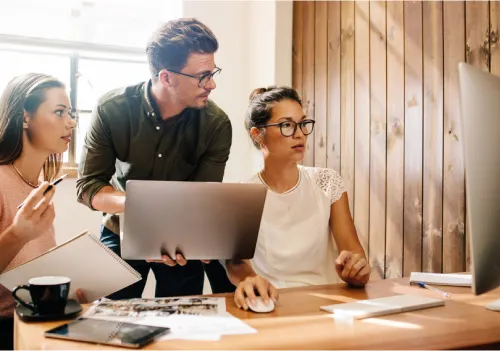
column 149, row 108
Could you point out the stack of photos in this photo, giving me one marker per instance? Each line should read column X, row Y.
column 160, row 307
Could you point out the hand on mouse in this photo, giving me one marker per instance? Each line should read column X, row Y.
column 352, row 268
column 247, row 287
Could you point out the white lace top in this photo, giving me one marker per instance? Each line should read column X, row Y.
column 295, row 245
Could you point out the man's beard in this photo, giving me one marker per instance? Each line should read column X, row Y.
column 199, row 105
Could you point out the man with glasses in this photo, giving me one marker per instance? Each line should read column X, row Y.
column 163, row 129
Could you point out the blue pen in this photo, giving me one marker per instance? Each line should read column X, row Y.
column 425, row 286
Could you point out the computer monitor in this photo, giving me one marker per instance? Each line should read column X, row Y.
column 480, row 107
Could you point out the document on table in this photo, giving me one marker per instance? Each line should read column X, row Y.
column 159, row 307
column 200, row 327
column 203, row 318
column 441, row 278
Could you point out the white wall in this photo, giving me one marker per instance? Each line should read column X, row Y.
column 229, row 21
column 255, row 50
column 283, row 43
column 72, row 217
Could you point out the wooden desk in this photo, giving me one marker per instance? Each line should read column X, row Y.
column 297, row 323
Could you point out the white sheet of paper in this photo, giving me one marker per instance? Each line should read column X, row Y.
column 199, row 327
column 442, row 278
column 191, row 337
column 183, row 323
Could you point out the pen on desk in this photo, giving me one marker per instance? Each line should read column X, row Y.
column 425, row 286
column 57, row 181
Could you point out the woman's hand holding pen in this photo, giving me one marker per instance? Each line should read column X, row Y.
column 36, row 215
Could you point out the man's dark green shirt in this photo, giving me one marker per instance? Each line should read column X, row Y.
column 127, row 139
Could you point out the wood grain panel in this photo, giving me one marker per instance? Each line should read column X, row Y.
column 333, row 117
column 433, row 137
column 494, row 44
column 308, row 74
column 380, row 79
column 378, row 152
column 362, row 122
column 412, row 260
column 320, row 83
column 476, row 33
column 297, row 43
column 395, row 138
column 347, row 98
column 453, row 162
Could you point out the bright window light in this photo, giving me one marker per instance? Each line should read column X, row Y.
column 48, row 36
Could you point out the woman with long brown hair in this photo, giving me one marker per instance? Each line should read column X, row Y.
column 35, row 130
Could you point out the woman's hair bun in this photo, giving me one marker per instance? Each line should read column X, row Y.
column 260, row 91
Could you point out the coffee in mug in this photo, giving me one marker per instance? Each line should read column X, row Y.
column 49, row 295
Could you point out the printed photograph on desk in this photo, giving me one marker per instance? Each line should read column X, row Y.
column 170, row 301
column 138, row 308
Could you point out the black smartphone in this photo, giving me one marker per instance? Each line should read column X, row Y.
column 105, row 332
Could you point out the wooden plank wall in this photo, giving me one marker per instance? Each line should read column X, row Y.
column 380, row 79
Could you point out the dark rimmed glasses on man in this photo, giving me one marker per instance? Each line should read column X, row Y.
column 288, row 128
column 203, row 80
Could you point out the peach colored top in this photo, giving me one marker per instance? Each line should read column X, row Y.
column 13, row 191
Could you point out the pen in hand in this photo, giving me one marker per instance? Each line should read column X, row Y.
column 57, row 181
column 425, row 286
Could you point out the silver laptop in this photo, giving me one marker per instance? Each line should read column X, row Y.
column 480, row 102
column 202, row 220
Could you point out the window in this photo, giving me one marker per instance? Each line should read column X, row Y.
column 14, row 63
column 19, row 62
column 127, row 23
column 96, row 77
column 91, row 45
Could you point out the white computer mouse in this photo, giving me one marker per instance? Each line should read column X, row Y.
column 494, row 306
column 259, row 305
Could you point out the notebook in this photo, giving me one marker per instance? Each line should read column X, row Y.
column 442, row 278
column 382, row 306
column 89, row 264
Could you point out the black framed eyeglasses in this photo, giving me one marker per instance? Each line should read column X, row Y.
column 203, row 80
column 288, row 128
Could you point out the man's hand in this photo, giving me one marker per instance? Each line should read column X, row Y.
column 80, row 295
column 179, row 260
column 248, row 286
column 352, row 268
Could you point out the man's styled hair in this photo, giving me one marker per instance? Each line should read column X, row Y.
column 171, row 45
